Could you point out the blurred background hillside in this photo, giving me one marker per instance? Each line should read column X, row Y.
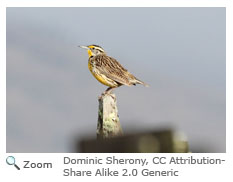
column 52, row 97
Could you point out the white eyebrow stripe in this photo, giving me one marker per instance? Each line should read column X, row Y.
column 100, row 49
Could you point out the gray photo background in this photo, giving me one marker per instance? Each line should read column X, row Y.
column 52, row 97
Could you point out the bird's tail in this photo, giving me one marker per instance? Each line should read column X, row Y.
column 141, row 82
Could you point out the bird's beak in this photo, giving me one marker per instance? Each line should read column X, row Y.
column 84, row 47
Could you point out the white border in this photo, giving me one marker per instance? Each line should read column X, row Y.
column 116, row 3
column 200, row 173
column 3, row 80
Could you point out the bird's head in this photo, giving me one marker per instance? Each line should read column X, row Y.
column 93, row 50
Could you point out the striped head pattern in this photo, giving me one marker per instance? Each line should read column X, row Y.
column 93, row 50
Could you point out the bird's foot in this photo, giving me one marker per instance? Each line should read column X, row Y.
column 107, row 92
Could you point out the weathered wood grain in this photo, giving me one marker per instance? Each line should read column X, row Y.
column 108, row 125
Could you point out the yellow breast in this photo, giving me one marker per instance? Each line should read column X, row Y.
column 101, row 78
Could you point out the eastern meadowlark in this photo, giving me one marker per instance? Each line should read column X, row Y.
column 108, row 70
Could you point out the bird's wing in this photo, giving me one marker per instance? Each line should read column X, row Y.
column 111, row 68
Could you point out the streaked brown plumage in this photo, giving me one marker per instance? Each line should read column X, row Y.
column 108, row 70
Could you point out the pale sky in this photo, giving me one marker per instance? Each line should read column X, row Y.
column 52, row 96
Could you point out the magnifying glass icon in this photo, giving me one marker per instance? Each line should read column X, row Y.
column 10, row 160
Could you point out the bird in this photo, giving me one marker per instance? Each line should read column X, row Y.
column 108, row 70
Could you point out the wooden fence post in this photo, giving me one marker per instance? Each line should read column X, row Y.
column 108, row 125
